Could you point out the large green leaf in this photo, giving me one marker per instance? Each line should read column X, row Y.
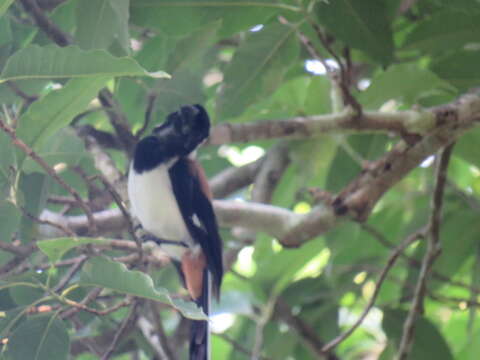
column 182, row 17
column 99, row 271
column 360, row 24
column 55, row 110
column 453, row 28
column 4, row 5
column 40, row 338
column 5, row 31
column 428, row 341
column 53, row 62
column 190, row 49
column 460, row 69
column 257, row 68
column 101, row 22
column 56, row 248
column 405, row 83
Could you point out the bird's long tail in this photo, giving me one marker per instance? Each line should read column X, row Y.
column 199, row 331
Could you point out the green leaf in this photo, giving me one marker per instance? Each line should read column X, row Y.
column 53, row 62
column 465, row 149
column 459, row 245
column 9, row 220
column 5, row 31
column 460, row 69
column 471, row 350
column 33, row 191
column 56, row 248
column 40, row 338
column 182, row 17
column 99, row 271
column 428, row 341
column 318, row 96
column 185, row 87
column 9, row 318
column 4, row 5
column 257, row 68
column 191, row 48
column 101, row 22
column 55, row 110
column 405, row 83
column 360, row 24
column 453, row 28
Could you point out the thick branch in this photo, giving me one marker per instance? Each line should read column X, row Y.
column 234, row 178
column 360, row 196
column 270, row 219
column 403, row 123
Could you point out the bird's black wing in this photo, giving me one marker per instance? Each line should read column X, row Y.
column 197, row 212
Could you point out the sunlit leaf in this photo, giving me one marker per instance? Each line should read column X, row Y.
column 4, row 5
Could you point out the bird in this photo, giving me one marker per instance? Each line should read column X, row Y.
column 170, row 197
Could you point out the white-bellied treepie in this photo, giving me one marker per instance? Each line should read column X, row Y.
column 169, row 195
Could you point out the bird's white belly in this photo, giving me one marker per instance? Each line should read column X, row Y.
column 154, row 204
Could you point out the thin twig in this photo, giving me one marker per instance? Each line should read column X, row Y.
column 168, row 354
column 50, row 171
column 125, row 302
column 344, row 81
column 18, row 250
column 307, row 334
column 126, row 326
column 118, row 200
column 433, row 250
column 151, row 99
column 19, row 92
column 62, row 228
column 76, row 266
column 92, row 295
column 383, row 275
column 239, row 347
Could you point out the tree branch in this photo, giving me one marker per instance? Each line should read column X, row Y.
column 433, row 250
column 44, row 23
column 403, row 123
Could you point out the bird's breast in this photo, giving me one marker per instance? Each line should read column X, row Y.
column 154, row 204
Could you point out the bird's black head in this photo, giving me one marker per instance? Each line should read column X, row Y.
column 184, row 129
column 179, row 135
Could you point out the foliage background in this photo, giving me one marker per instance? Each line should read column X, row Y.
column 80, row 82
